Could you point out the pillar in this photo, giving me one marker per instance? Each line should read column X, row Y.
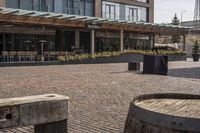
column 121, row 40
column 4, row 42
column 152, row 41
column 92, row 41
column 184, row 42
column 77, row 39
column 13, row 42
column 59, row 40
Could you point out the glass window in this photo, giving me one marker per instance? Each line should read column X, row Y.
column 12, row 3
column 89, row 10
column 135, row 13
column 68, row 6
column 36, row 4
column 84, row 7
column 145, row 1
column 50, row 5
column 110, row 10
column 26, row 4
column 43, row 5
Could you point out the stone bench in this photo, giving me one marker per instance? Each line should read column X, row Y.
column 47, row 113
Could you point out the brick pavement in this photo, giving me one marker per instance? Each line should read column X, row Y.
column 99, row 94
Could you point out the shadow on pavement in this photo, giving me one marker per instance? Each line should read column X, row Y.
column 185, row 72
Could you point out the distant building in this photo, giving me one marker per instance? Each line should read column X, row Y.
column 86, row 26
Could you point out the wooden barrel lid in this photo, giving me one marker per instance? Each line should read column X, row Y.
column 174, row 111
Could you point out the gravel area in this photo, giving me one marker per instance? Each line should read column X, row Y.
column 99, row 93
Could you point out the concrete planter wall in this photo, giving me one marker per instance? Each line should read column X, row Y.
column 116, row 59
column 124, row 59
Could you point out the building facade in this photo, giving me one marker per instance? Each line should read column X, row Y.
column 50, row 27
column 130, row 10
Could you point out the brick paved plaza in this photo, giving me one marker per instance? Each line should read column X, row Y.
column 99, row 94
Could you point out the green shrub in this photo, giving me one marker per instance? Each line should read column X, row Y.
column 80, row 57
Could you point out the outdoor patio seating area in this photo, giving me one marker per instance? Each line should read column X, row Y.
column 99, row 94
column 30, row 56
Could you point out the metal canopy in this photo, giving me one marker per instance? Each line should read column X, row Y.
column 48, row 15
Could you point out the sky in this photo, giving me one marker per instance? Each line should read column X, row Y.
column 165, row 10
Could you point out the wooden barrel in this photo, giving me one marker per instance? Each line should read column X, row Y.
column 164, row 113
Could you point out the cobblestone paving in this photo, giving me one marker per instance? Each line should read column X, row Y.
column 99, row 94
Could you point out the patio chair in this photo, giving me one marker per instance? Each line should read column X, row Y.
column 28, row 56
column 12, row 56
column 21, row 56
column 33, row 56
column 5, row 56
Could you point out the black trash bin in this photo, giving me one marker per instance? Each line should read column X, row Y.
column 155, row 64
column 134, row 66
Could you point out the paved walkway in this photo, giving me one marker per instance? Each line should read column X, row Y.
column 99, row 94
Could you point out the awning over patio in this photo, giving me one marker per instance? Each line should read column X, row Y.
column 53, row 20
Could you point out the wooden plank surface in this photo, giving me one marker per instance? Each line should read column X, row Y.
column 174, row 107
column 33, row 110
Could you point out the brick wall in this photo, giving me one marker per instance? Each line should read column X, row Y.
column 98, row 8
column 2, row 3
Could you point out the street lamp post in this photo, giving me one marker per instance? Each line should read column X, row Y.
column 182, row 16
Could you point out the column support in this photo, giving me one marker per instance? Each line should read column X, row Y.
column 184, row 42
column 77, row 39
column 92, row 41
column 4, row 42
column 13, row 45
column 121, row 40
column 152, row 41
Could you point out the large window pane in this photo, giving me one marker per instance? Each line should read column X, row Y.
column 26, row 4
column 89, row 10
column 36, row 5
column 135, row 13
column 12, row 3
column 68, row 6
column 110, row 10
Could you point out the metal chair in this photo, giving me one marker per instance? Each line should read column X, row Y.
column 5, row 56
column 21, row 56
column 12, row 55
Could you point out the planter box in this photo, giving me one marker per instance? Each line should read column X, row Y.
column 124, row 59
column 196, row 57
column 155, row 64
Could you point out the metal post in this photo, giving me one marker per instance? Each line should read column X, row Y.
column 4, row 42
column 92, row 41
column 77, row 39
column 121, row 40
column 152, row 40
column 184, row 42
column 42, row 52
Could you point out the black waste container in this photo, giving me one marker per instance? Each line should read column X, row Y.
column 155, row 64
